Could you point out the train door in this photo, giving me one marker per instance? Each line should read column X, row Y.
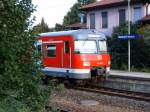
column 53, row 54
column 67, row 55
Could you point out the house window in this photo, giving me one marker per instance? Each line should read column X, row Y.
column 66, row 47
column 137, row 13
column 104, row 20
column 92, row 21
column 122, row 16
column 51, row 51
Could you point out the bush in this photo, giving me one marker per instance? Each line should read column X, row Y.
column 20, row 84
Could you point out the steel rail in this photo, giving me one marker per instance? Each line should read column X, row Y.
column 116, row 92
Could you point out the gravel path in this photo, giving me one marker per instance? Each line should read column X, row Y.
column 70, row 99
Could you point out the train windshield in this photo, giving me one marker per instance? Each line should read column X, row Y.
column 85, row 47
column 102, row 46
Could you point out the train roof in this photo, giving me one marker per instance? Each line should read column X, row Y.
column 77, row 34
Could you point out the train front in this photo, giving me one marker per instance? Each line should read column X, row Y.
column 91, row 55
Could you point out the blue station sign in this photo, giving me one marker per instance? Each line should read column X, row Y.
column 131, row 36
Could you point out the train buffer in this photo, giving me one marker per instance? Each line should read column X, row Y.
column 134, row 75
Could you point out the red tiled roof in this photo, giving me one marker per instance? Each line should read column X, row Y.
column 107, row 3
column 146, row 18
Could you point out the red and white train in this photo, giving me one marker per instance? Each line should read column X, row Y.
column 75, row 54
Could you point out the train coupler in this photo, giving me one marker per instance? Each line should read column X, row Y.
column 97, row 71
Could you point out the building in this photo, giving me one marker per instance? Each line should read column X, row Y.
column 146, row 19
column 104, row 15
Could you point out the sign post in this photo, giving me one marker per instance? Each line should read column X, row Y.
column 129, row 62
column 129, row 37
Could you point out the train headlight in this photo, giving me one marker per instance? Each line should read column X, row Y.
column 107, row 70
column 109, row 62
column 86, row 63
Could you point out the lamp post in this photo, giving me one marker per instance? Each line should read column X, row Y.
column 129, row 17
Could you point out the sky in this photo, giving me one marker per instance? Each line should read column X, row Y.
column 53, row 11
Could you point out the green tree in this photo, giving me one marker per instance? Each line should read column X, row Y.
column 85, row 2
column 73, row 15
column 59, row 27
column 20, row 89
column 41, row 27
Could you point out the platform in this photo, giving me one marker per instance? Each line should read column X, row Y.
column 126, row 74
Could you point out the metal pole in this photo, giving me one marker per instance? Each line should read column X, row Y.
column 129, row 34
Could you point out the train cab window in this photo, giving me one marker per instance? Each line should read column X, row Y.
column 102, row 46
column 66, row 48
column 51, row 51
column 85, row 47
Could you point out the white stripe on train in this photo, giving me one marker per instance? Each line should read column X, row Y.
column 55, row 69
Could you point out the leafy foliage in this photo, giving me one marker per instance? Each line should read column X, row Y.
column 140, row 48
column 73, row 15
column 20, row 89
column 41, row 27
column 85, row 2
column 59, row 27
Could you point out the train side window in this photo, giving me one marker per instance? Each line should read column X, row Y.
column 51, row 51
column 66, row 48
column 39, row 48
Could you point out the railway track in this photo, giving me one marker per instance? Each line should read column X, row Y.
column 116, row 92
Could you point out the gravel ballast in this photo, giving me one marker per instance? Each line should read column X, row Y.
column 70, row 100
